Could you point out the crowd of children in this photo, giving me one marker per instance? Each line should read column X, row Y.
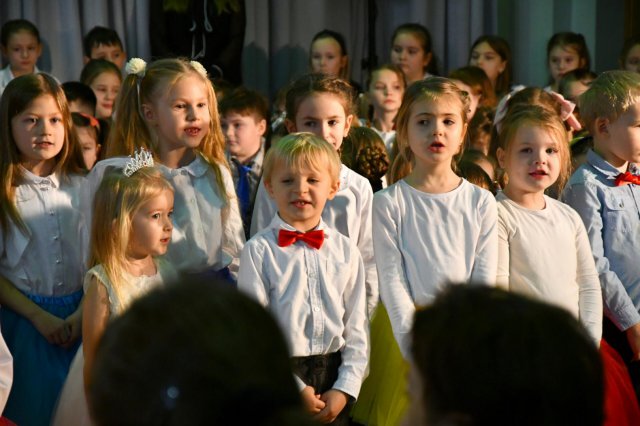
column 348, row 217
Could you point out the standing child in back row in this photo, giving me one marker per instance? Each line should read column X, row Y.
column 20, row 44
column 323, row 106
column 311, row 277
column 169, row 107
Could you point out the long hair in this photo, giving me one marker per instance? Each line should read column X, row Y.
column 130, row 131
column 477, row 80
column 116, row 202
column 501, row 47
column 338, row 38
column 17, row 97
column 423, row 35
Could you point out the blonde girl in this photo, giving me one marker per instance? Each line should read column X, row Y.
column 131, row 227
column 429, row 229
column 43, row 237
column 169, row 107
column 322, row 105
column 544, row 250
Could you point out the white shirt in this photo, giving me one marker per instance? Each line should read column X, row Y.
column 6, row 76
column 6, row 373
column 425, row 241
column 49, row 260
column 545, row 254
column 207, row 231
column 349, row 213
column 317, row 296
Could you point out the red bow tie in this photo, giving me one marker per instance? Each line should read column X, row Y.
column 626, row 178
column 312, row 238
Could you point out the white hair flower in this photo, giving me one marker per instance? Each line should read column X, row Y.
column 198, row 67
column 136, row 66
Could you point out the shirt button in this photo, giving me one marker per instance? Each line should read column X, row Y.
column 55, row 238
column 58, row 261
column 60, row 284
column 51, row 213
column 316, row 309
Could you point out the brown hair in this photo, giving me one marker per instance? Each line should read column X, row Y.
column 310, row 84
column 501, row 47
column 477, row 79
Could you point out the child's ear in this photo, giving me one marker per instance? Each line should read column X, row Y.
column 148, row 114
column 601, row 127
column 85, row 59
column 290, row 125
column 500, row 156
column 347, row 124
column 269, row 188
column 262, row 127
column 334, row 189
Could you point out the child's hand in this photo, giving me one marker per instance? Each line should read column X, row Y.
column 633, row 337
column 52, row 328
column 311, row 401
column 74, row 327
column 335, row 401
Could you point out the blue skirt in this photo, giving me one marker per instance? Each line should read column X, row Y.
column 39, row 368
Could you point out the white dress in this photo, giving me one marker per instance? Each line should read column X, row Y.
column 72, row 406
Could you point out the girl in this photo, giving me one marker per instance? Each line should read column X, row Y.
column 630, row 55
column 544, row 250
column 89, row 137
column 42, row 242
column 20, row 44
column 411, row 51
column 475, row 82
column 105, row 79
column 384, row 92
column 566, row 52
column 322, row 105
column 429, row 229
column 170, row 108
column 363, row 151
column 493, row 55
column 131, row 226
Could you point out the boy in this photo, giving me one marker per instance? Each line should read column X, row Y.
column 104, row 43
column 80, row 97
column 311, row 277
column 606, row 193
column 243, row 117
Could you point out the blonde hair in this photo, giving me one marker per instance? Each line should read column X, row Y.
column 431, row 89
column 16, row 98
column 130, row 131
column 117, row 200
column 300, row 151
column 610, row 95
column 541, row 117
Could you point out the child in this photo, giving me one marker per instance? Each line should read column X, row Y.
column 475, row 82
column 105, row 80
column 20, row 44
column 42, row 243
column 493, row 55
column 430, row 228
column 132, row 225
column 88, row 134
column 363, row 151
column 170, row 108
column 514, row 375
column 236, row 357
column 243, row 118
column 80, row 97
column 310, row 276
column 480, row 130
column 411, row 50
column 322, row 105
column 630, row 55
column 604, row 193
column 566, row 52
column 104, row 43
column 543, row 246
column 384, row 92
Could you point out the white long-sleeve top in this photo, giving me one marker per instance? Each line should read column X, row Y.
column 207, row 230
column 349, row 212
column 317, row 296
column 6, row 373
column 546, row 254
column 424, row 241
column 49, row 258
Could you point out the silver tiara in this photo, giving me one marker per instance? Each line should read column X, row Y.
column 142, row 158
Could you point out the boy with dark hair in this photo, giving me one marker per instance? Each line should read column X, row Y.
column 80, row 97
column 104, row 43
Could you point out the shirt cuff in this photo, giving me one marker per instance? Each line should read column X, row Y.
column 625, row 319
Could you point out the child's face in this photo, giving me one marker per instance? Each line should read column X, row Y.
column 39, row 134
column 386, row 91
column 322, row 114
column 181, row 115
column 622, row 142
column 106, row 87
column 473, row 97
column 563, row 59
column 483, row 56
column 22, row 51
column 532, row 162
column 407, row 53
column 301, row 194
column 110, row 52
column 436, row 130
column 632, row 61
column 243, row 134
column 327, row 57
column 89, row 145
column 151, row 227
column 82, row 107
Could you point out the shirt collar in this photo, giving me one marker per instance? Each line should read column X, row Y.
column 255, row 162
column 52, row 180
column 606, row 169
column 197, row 168
column 277, row 223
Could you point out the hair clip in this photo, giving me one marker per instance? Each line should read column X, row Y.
column 142, row 158
column 93, row 122
column 136, row 66
column 566, row 111
column 198, row 67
